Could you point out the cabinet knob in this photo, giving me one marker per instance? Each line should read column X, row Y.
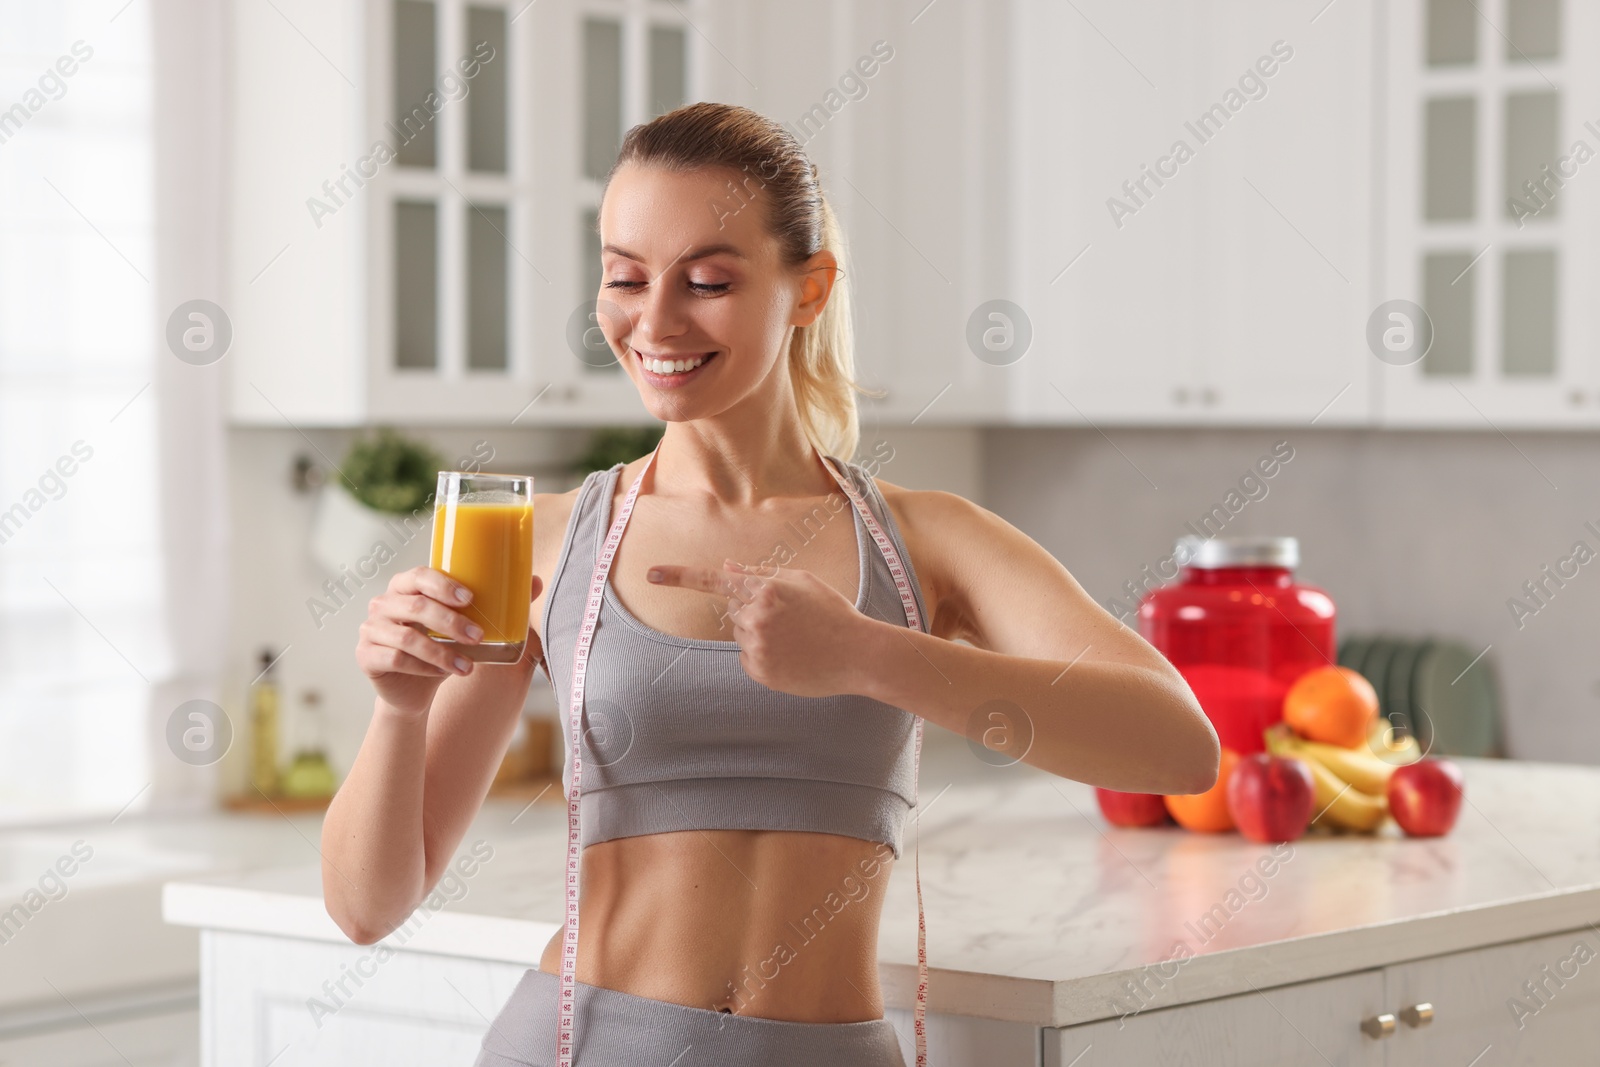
column 1417, row 1015
column 1180, row 395
column 1575, row 397
column 1208, row 396
column 1378, row 1025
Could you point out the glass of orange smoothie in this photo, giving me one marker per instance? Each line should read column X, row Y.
column 483, row 538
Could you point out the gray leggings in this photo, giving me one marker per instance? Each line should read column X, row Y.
column 615, row 1028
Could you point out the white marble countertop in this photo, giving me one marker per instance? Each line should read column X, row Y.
column 1038, row 912
column 99, row 928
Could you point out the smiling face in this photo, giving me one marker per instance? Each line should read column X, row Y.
column 703, row 303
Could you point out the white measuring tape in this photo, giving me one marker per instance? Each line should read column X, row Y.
column 580, row 663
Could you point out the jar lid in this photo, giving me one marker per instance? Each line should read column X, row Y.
column 1209, row 552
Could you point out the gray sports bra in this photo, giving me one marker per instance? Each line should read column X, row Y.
column 678, row 737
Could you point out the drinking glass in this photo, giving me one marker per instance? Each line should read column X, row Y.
column 483, row 538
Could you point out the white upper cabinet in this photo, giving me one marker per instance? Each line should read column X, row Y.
column 921, row 172
column 1195, row 232
column 904, row 111
column 1105, row 269
column 415, row 207
column 1490, row 212
column 1285, row 239
column 1235, row 213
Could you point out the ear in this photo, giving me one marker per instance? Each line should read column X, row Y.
column 820, row 272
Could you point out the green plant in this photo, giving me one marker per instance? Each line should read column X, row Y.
column 391, row 472
column 611, row 445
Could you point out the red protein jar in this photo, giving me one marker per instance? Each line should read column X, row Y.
column 1240, row 630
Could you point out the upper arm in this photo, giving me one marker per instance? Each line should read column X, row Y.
column 994, row 587
column 473, row 718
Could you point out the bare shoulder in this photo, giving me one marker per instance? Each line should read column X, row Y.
column 954, row 544
column 997, row 587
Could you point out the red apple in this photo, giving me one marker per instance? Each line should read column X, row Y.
column 1132, row 809
column 1271, row 798
column 1425, row 796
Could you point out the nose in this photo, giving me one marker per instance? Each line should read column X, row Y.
column 661, row 315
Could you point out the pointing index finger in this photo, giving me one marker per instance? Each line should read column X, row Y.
column 702, row 578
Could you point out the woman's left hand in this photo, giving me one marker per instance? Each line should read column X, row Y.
column 796, row 633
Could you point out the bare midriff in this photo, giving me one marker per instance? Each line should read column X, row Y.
column 777, row 924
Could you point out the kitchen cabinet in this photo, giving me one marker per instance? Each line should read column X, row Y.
column 1197, row 185
column 1490, row 213
column 413, row 209
column 1333, row 161
column 336, row 1005
column 1270, row 1028
column 1479, row 1000
column 455, row 283
column 918, row 169
column 1112, row 301
column 1445, row 1009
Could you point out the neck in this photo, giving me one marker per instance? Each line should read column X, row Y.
column 740, row 458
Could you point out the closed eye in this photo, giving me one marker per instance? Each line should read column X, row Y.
column 700, row 287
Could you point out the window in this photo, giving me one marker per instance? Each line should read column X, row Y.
column 81, row 570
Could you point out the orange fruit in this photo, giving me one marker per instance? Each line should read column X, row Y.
column 1334, row 705
column 1207, row 811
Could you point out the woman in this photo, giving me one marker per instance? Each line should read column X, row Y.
column 756, row 758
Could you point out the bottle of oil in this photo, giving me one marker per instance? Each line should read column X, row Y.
column 309, row 774
column 264, row 706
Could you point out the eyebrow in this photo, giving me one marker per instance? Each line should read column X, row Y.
column 698, row 253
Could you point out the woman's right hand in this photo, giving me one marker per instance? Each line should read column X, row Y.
column 405, row 664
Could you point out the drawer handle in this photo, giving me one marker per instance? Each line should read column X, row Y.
column 1378, row 1025
column 1417, row 1015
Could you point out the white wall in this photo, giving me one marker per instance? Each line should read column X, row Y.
column 1417, row 534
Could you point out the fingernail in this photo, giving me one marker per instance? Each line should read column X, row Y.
column 463, row 594
column 474, row 631
column 653, row 574
column 733, row 564
column 462, row 665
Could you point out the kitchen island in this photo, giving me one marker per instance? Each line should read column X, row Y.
column 1053, row 938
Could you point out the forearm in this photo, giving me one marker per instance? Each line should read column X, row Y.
column 373, row 858
column 1121, row 725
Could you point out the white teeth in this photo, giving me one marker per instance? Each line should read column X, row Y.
column 672, row 366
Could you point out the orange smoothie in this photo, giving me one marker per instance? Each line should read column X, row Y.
column 489, row 549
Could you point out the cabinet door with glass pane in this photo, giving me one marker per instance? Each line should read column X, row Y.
column 1491, row 192
column 448, row 245
column 628, row 61
column 503, row 118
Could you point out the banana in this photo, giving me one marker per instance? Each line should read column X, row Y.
column 1360, row 768
column 1341, row 804
column 1340, row 801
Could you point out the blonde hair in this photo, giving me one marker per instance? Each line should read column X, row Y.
column 821, row 356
